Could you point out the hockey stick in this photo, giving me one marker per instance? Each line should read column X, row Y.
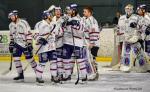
column 91, row 61
column 40, row 47
column 78, row 76
column 25, row 68
column 89, row 56
column 10, row 67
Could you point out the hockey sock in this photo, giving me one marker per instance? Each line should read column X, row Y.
column 60, row 66
column 39, row 70
column 32, row 63
column 67, row 67
column 18, row 64
column 82, row 67
column 53, row 67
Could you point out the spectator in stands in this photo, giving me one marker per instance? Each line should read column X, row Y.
column 116, row 18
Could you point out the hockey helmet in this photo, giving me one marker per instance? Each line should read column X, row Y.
column 13, row 13
column 45, row 14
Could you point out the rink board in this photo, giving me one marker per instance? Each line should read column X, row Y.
column 104, row 53
column 98, row 59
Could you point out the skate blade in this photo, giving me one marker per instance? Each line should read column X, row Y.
column 55, row 84
column 83, row 82
column 39, row 84
column 94, row 79
column 19, row 81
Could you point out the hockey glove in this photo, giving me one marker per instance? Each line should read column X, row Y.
column 29, row 47
column 147, row 31
column 11, row 46
column 42, row 41
column 133, row 25
column 64, row 24
column 74, row 22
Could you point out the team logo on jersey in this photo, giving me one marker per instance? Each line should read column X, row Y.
column 126, row 61
column 128, row 48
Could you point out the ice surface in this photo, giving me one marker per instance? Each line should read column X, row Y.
column 110, row 81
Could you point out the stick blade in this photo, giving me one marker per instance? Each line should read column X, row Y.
column 77, row 81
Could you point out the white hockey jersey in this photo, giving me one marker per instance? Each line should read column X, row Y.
column 47, row 31
column 20, row 32
column 124, row 26
column 91, row 30
column 74, row 32
column 144, row 22
column 59, row 34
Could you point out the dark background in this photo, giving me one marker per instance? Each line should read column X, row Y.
column 104, row 10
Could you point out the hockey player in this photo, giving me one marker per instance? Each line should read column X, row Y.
column 91, row 31
column 67, row 16
column 59, row 40
column 144, row 23
column 132, row 54
column 20, row 43
column 73, row 43
column 45, row 37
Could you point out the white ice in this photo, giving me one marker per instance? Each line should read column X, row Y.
column 109, row 81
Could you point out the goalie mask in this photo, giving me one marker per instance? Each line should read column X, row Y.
column 129, row 10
